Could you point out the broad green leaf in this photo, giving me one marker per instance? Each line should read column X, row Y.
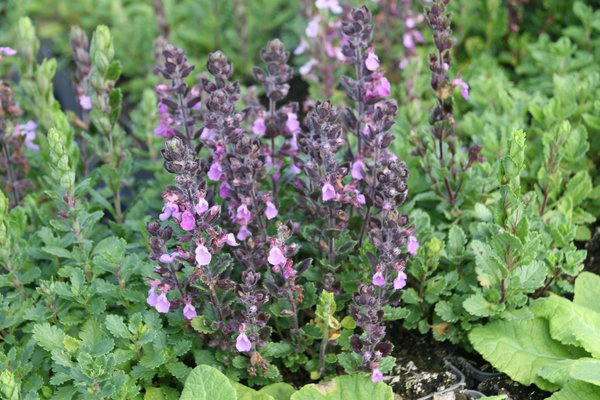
column 117, row 327
column 246, row 393
column 586, row 291
column 577, row 390
column 207, row 383
column 571, row 323
column 279, row 391
column 565, row 371
column 520, row 348
column 347, row 387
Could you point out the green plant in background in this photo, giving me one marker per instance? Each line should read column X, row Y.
column 557, row 349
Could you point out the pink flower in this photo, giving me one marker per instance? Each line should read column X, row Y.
column 242, row 343
column 358, row 169
column 328, row 192
column 215, row 171
column 332, row 5
column 307, row 67
column 231, row 240
column 271, row 211
column 189, row 312
column 244, row 233
column 360, row 198
column 163, row 129
column 168, row 258
column 464, row 87
column 243, row 215
column 400, row 280
column 203, row 256
column 9, row 51
column 295, row 170
column 378, row 279
column 201, row 206
column 276, row 257
column 292, row 124
column 224, row 190
column 162, row 304
column 168, row 211
column 152, row 297
column 407, row 41
column 413, row 245
column 289, row 272
column 378, row 87
column 208, row 134
column 376, row 376
column 86, row 104
column 372, row 61
column 312, row 29
column 187, row 221
column 27, row 130
column 258, row 127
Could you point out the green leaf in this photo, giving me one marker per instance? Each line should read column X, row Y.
column 246, row 393
column 562, row 372
column 279, row 391
column 456, row 243
column 48, row 336
column 571, row 323
column 520, row 349
column 117, row 327
column 207, row 383
column 10, row 389
column 586, row 291
column 347, row 387
column 57, row 251
column 114, row 71
column 577, row 390
column 477, row 305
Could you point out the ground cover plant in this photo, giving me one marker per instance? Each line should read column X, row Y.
column 261, row 200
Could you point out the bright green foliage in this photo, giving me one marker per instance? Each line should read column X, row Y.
column 559, row 348
column 205, row 383
column 347, row 387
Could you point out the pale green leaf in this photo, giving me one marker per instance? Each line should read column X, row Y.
column 207, row 383
column 577, row 390
column 279, row 391
column 586, row 291
column 347, row 387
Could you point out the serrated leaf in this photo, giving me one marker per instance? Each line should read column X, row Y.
column 477, row 305
column 347, row 387
column 179, row 370
column 57, row 251
column 207, row 383
column 117, row 327
column 48, row 336
column 520, row 349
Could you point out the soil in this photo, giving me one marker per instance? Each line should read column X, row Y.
column 422, row 369
column 592, row 262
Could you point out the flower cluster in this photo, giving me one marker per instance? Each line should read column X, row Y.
column 81, row 56
column 14, row 139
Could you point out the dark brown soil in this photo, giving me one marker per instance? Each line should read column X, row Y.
column 421, row 370
column 592, row 262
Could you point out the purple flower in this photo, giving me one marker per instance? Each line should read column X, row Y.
column 152, row 297
column 258, row 127
column 231, row 240
column 244, row 233
column 242, row 343
column 295, row 170
column 332, row 5
column 413, row 245
column 378, row 279
column 379, row 87
column 271, row 211
column 208, row 134
column 187, row 221
column 168, row 211
column 312, row 29
column 276, row 257
column 215, row 171
column 168, row 258
column 358, row 169
column 224, row 190
column 360, row 198
column 201, row 206
column 86, row 104
column 372, row 61
column 162, row 304
column 189, row 312
column 243, row 215
column 328, row 192
column 400, row 280
column 9, row 51
column 376, row 376
column 464, row 87
column 203, row 256
column 292, row 124
column 307, row 67
column 27, row 130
